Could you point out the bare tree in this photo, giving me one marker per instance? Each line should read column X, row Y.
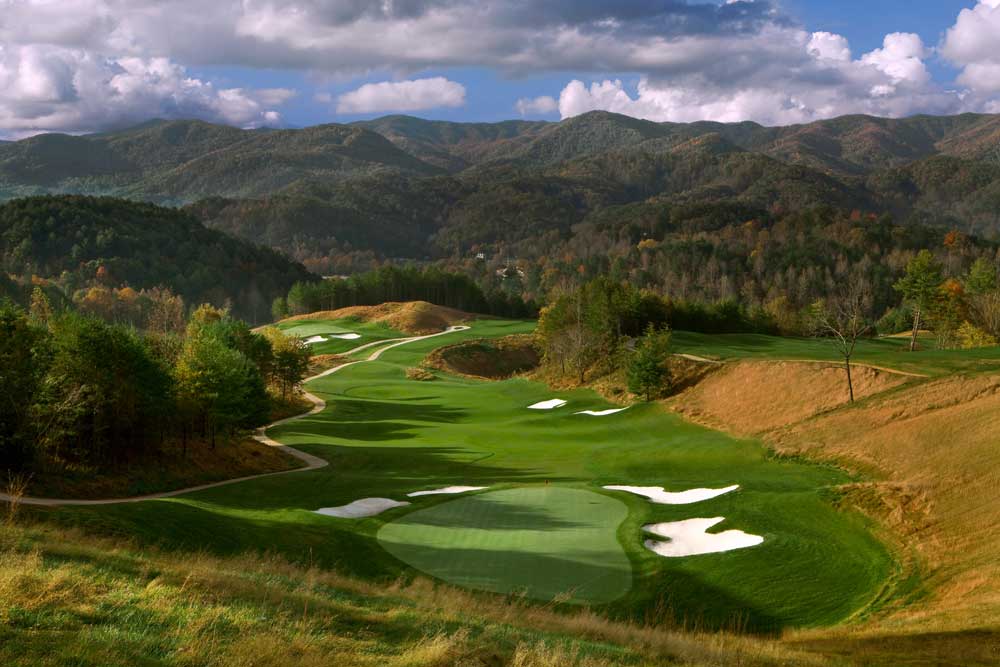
column 844, row 318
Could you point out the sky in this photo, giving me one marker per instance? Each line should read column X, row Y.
column 94, row 65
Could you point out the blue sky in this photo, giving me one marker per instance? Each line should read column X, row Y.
column 86, row 65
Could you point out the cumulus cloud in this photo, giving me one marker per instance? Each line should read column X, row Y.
column 538, row 106
column 51, row 88
column 414, row 95
column 733, row 60
column 973, row 44
column 798, row 78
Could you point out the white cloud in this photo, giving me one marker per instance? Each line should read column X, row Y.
column 62, row 62
column 537, row 106
column 413, row 95
column 973, row 44
column 829, row 46
column 791, row 77
column 52, row 88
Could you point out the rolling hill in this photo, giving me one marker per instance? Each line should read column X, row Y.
column 86, row 241
column 403, row 187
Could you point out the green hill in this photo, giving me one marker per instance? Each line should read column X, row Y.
column 84, row 241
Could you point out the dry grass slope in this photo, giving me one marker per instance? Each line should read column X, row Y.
column 933, row 450
column 417, row 318
column 754, row 397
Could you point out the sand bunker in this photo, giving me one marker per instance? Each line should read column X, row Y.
column 600, row 413
column 361, row 508
column 446, row 489
column 689, row 538
column 322, row 339
column 659, row 496
column 548, row 405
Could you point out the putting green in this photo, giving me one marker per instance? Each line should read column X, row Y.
column 541, row 540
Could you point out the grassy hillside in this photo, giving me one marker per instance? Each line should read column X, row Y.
column 74, row 599
column 929, row 445
column 386, row 435
column 312, row 589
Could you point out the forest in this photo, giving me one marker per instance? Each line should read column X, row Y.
column 80, row 392
column 90, row 249
column 402, row 283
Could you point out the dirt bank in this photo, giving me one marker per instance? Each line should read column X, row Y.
column 492, row 359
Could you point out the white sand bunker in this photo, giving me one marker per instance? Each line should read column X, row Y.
column 320, row 339
column 361, row 508
column 548, row 405
column 659, row 496
column 600, row 413
column 689, row 538
column 446, row 489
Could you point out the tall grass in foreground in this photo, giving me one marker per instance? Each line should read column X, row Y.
column 73, row 599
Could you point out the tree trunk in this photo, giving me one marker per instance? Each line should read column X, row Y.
column 916, row 328
column 850, row 382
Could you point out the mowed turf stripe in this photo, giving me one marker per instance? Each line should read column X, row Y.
column 544, row 541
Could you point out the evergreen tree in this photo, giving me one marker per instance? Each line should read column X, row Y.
column 648, row 374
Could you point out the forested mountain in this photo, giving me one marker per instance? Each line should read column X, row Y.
column 181, row 161
column 343, row 198
column 79, row 243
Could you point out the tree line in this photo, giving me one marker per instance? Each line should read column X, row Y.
column 405, row 283
column 77, row 390
column 605, row 325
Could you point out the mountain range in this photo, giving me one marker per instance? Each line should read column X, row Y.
column 400, row 186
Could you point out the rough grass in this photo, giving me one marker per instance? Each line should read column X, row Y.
column 753, row 397
column 932, row 448
column 73, row 599
column 412, row 317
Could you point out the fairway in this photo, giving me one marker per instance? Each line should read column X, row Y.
column 387, row 436
column 368, row 332
column 543, row 541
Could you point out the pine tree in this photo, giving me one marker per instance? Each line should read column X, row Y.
column 648, row 374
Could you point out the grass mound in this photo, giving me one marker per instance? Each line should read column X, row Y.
column 417, row 318
column 752, row 397
column 546, row 542
column 485, row 358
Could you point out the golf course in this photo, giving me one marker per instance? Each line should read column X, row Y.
column 532, row 518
